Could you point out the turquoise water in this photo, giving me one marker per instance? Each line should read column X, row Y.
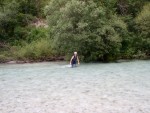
column 53, row 87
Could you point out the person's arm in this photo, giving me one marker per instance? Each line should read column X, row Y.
column 71, row 60
column 78, row 60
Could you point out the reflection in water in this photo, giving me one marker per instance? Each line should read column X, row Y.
column 53, row 87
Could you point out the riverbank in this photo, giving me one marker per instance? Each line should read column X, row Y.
column 29, row 54
column 10, row 61
column 60, row 59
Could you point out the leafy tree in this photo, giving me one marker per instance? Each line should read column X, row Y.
column 8, row 20
column 129, row 7
column 86, row 27
column 143, row 27
column 15, row 16
column 97, row 29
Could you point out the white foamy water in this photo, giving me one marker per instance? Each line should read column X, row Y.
column 53, row 87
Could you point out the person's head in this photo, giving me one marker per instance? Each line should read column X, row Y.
column 75, row 53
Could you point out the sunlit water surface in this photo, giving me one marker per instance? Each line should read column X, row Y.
column 53, row 87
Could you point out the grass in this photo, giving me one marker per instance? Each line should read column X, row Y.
column 36, row 50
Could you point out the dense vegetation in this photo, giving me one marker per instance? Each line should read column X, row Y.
column 100, row 30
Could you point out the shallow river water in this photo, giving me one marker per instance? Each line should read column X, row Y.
column 53, row 87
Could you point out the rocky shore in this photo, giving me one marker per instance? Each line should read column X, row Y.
column 10, row 61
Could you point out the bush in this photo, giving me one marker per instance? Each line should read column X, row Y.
column 143, row 28
column 36, row 34
column 32, row 7
column 36, row 50
column 28, row 34
column 3, row 58
column 11, row 20
column 86, row 27
column 24, row 19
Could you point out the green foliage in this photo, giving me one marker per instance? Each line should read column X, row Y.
column 143, row 21
column 11, row 20
column 8, row 20
column 98, row 29
column 135, row 6
column 28, row 34
column 3, row 58
column 87, row 28
column 5, row 55
column 36, row 50
column 24, row 19
column 36, row 34
column 129, row 7
column 15, row 15
column 33, row 7
column 143, row 27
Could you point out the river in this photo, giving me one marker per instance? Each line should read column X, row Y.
column 53, row 87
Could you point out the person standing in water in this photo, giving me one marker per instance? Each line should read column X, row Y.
column 74, row 59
